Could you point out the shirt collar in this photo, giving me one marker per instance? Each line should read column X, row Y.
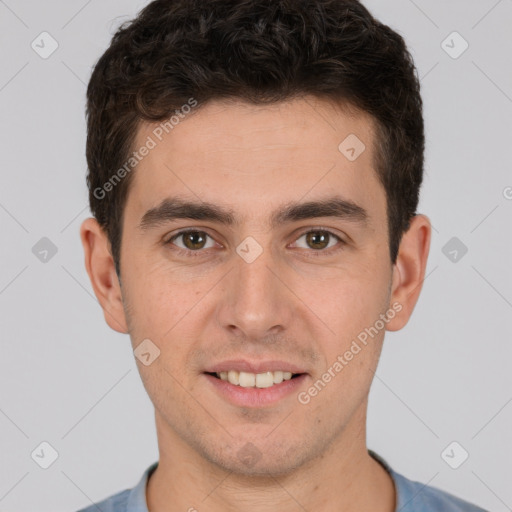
column 137, row 498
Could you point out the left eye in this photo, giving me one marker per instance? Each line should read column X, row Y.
column 319, row 239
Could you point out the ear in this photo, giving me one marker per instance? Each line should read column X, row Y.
column 409, row 270
column 101, row 269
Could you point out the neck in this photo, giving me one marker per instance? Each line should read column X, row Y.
column 345, row 478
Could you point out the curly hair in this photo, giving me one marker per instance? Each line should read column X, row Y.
column 263, row 52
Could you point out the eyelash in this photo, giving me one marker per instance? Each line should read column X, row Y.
column 312, row 252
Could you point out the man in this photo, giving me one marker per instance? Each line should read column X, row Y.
column 254, row 173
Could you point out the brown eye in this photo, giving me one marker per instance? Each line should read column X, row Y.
column 319, row 242
column 191, row 240
column 194, row 240
column 318, row 239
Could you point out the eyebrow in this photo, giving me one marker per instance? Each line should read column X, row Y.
column 176, row 208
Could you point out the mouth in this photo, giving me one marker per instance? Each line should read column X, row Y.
column 245, row 383
column 261, row 380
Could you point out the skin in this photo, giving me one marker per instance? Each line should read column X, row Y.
column 287, row 305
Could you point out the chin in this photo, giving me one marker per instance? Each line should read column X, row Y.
column 246, row 459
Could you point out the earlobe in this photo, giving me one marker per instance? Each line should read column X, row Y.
column 101, row 270
column 409, row 270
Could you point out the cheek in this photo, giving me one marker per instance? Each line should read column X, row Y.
column 167, row 310
column 152, row 310
column 354, row 302
column 352, row 309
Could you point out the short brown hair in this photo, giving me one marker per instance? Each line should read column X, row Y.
column 261, row 51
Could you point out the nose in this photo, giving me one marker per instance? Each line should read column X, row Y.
column 256, row 302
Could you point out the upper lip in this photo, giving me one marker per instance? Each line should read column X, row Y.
column 242, row 365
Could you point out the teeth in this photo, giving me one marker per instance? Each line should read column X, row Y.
column 233, row 377
column 251, row 380
column 278, row 377
column 264, row 380
column 247, row 380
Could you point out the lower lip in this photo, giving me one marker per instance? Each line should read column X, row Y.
column 256, row 397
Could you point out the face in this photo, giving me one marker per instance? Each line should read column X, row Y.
column 252, row 244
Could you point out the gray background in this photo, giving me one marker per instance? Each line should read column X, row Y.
column 67, row 379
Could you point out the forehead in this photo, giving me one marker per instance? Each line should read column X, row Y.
column 244, row 156
column 237, row 125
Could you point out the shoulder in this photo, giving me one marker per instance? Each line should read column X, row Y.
column 128, row 500
column 115, row 503
column 417, row 497
column 414, row 496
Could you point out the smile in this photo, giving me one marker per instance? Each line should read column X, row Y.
column 255, row 380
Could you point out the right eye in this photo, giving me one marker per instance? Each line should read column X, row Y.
column 192, row 240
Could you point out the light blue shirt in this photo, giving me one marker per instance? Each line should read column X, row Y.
column 410, row 496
